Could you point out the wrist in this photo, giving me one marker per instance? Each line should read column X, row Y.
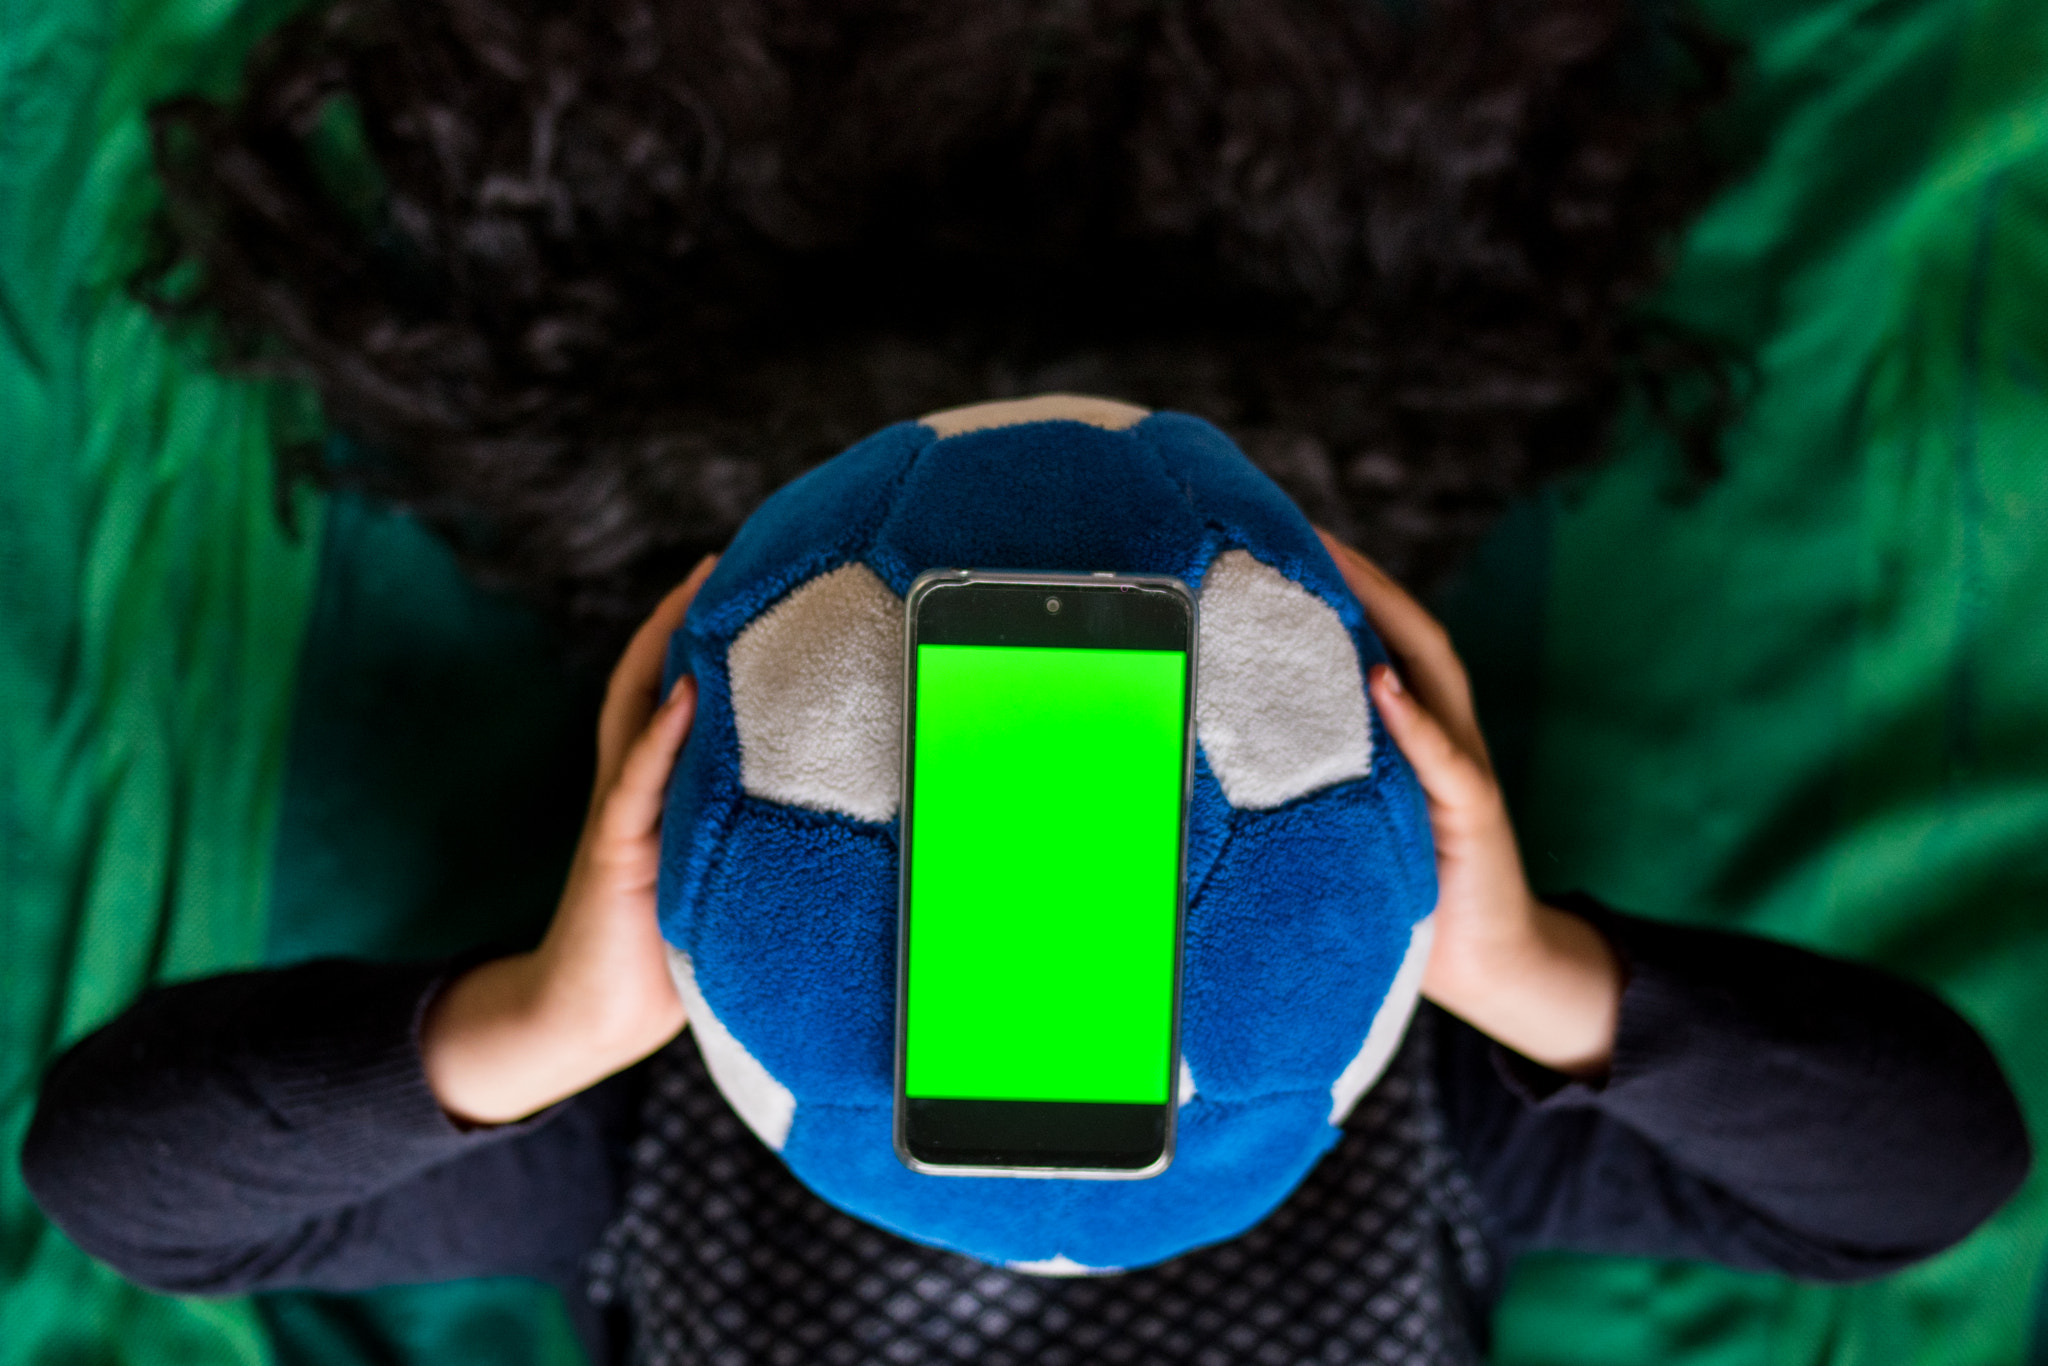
column 472, row 1036
column 1542, row 982
column 608, row 1010
column 1583, row 990
column 505, row 1040
column 1476, row 955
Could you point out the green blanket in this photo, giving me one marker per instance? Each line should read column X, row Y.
column 1810, row 701
column 150, row 614
column 1803, row 700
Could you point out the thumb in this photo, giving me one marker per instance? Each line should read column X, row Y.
column 1452, row 778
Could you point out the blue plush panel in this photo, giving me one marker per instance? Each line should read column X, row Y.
column 1243, row 508
column 1049, row 495
column 1208, row 825
column 703, row 792
column 802, row 968
column 1297, row 918
column 1295, row 938
column 1231, row 1166
column 810, row 525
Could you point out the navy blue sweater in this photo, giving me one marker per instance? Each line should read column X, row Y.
column 1767, row 1108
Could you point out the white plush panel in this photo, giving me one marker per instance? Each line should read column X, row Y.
column 817, row 693
column 1279, row 700
column 1187, row 1083
column 767, row 1106
column 1062, row 1265
column 1107, row 413
column 1387, row 1027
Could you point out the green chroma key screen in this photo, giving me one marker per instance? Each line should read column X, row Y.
column 1045, row 863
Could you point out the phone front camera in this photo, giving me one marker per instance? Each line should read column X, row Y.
column 1052, row 605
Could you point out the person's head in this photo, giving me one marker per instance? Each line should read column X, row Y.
column 583, row 283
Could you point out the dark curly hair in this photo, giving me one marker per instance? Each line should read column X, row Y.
column 584, row 280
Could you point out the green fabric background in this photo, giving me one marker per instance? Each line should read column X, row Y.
column 1813, row 700
column 1806, row 700
column 150, row 614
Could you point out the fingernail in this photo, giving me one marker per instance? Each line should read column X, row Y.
column 1394, row 684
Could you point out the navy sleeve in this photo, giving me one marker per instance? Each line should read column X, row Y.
column 275, row 1129
column 1767, row 1108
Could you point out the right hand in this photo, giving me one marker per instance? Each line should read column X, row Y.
column 1540, row 980
column 515, row 1035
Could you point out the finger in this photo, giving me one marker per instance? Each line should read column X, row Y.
column 1452, row 777
column 641, row 663
column 630, row 696
column 632, row 808
column 1418, row 641
column 1401, row 621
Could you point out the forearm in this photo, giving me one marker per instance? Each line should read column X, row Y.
column 1836, row 1097
column 207, row 1132
column 512, row 1036
column 1764, row 1106
column 1545, row 984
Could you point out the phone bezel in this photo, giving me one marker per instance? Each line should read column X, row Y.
column 924, row 585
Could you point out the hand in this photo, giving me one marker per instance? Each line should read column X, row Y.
column 515, row 1035
column 1537, row 979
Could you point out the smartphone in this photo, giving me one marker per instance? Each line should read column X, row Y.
column 1048, row 765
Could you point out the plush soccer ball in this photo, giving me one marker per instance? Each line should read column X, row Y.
column 1310, row 870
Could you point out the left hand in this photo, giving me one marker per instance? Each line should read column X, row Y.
column 1539, row 980
column 517, row 1034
